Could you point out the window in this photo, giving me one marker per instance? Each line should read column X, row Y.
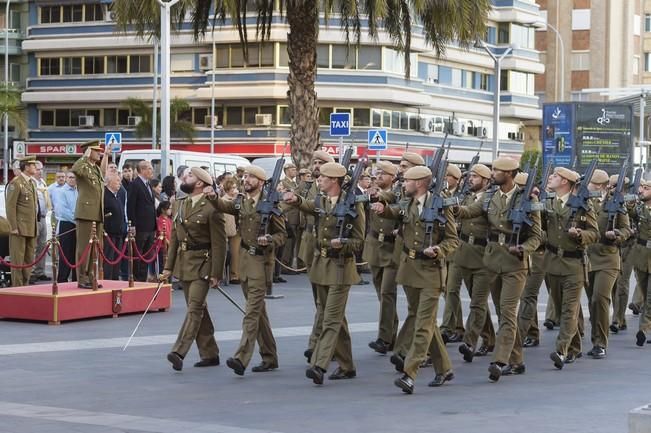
column 94, row 12
column 343, row 57
column 581, row 61
column 222, row 53
column 491, row 35
column 377, row 118
column 72, row 66
column 254, row 56
column 404, row 121
column 428, row 72
column 518, row 82
column 323, row 57
column 456, row 78
column 324, row 115
column 95, row 114
column 581, row 19
column 50, row 14
column 47, row 117
column 116, row 64
column 647, row 62
column 394, row 61
column 249, row 115
column 361, row 117
column 200, row 115
column 74, row 117
column 237, row 56
column 14, row 72
column 123, row 117
column 395, row 119
column 522, row 36
column 647, row 22
column 413, row 122
column 636, row 65
column 182, row 62
column 110, row 117
column 233, row 116
column 370, row 58
column 93, row 65
column 267, row 55
column 62, row 118
column 503, row 36
column 386, row 119
column 50, row 66
column 72, row 13
column 285, row 117
column 445, row 75
column 269, row 109
column 185, row 115
column 140, row 64
column 283, row 55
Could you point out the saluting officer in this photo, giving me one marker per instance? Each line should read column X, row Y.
column 21, row 203
column 197, row 254
column 332, row 271
column 378, row 252
column 89, row 171
column 256, row 258
column 566, row 261
column 508, row 260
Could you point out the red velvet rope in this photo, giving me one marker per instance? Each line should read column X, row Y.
column 82, row 259
column 27, row 265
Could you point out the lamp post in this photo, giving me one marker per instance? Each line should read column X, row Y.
column 212, row 96
column 154, row 104
column 544, row 25
column 496, row 104
column 5, row 157
column 165, row 83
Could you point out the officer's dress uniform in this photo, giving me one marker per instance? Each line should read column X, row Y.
column 21, row 202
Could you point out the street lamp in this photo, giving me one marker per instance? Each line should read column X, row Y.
column 6, row 116
column 154, row 107
column 544, row 25
column 498, row 77
column 212, row 96
column 165, row 17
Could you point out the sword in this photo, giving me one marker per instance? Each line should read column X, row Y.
column 160, row 284
column 227, row 296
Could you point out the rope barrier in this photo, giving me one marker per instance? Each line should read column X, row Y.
column 289, row 268
column 121, row 255
column 154, row 248
column 82, row 259
column 27, row 265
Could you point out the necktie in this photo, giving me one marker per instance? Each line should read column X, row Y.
column 559, row 206
column 503, row 201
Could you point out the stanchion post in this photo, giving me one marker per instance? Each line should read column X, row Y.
column 55, row 265
column 100, row 268
column 130, row 240
column 91, row 257
column 163, row 242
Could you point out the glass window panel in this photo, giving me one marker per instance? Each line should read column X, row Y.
column 47, row 118
column 267, row 55
column 67, row 14
column 370, row 58
column 503, row 33
column 269, row 109
column 404, row 121
column 362, row 117
column 285, row 117
column 234, row 116
column 237, row 57
column 219, row 112
column 14, row 72
column 72, row 66
column 377, row 118
column 62, row 118
column 200, row 115
column 123, row 117
column 324, row 115
column 77, row 13
column 647, row 22
column 249, row 115
column 95, row 114
column 323, row 56
column 254, row 56
column 183, row 62
column 395, row 119
column 74, row 117
column 110, row 117
column 283, row 56
column 55, row 14
column 386, row 119
column 343, row 57
column 413, row 122
column 221, row 51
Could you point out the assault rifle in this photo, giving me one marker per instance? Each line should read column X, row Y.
column 616, row 201
column 521, row 215
column 547, row 171
column 345, row 159
column 268, row 204
column 347, row 206
column 632, row 194
column 581, row 200
column 434, row 213
column 465, row 189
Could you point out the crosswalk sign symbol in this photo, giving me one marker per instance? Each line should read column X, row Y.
column 377, row 139
column 114, row 141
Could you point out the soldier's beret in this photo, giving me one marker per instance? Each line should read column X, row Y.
column 323, row 156
column 599, row 177
column 303, row 171
column 646, row 183
column 453, row 171
column 256, row 171
column 202, row 175
column 387, row 167
column 29, row 158
column 413, row 158
column 615, row 177
column 289, row 164
column 418, row 172
column 568, row 174
column 333, row 169
column 92, row 144
column 505, row 164
column 481, row 170
column 521, row 178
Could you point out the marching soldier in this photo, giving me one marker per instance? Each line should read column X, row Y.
column 566, row 261
column 197, row 254
column 90, row 205
column 508, row 260
column 378, row 252
column 421, row 271
column 332, row 271
column 292, row 215
column 642, row 254
column 21, row 207
column 256, row 255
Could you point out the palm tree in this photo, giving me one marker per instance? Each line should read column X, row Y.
column 442, row 21
column 11, row 105
column 179, row 127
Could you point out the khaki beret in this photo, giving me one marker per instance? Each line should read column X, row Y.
column 323, row 156
column 387, row 167
column 568, row 174
column 521, row 178
column 481, row 170
column 303, row 171
column 333, row 169
column 289, row 164
column 418, row 172
column 413, row 158
column 92, row 144
column 256, row 171
column 453, row 171
column 505, row 164
column 599, row 177
column 29, row 158
column 202, row 175
column 646, row 183
column 615, row 177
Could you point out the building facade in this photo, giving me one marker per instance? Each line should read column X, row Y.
column 81, row 71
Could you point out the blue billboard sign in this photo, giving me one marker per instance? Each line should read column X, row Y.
column 558, row 134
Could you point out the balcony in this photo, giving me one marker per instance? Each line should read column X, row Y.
column 15, row 37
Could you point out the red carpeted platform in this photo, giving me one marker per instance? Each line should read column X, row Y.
column 114, row 298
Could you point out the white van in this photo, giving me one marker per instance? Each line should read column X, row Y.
column 218, row 163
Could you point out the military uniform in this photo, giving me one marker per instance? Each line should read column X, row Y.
column 197, row 252
column 21, row 202
column 292, row 216
column 642, row 263
column 528, row 310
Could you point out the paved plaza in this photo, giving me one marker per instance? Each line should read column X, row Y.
column 76, row 378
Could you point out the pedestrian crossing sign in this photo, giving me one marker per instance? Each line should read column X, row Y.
column 114, row 141
column 377, row 139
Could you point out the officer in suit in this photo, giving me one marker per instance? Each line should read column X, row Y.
column 21, row 207
column 197, row 254
column 256, row 254
column 332, row 271
column 89, row 171
column 468, row 266
column 378, row 252
column 509, row 261
column 115, row 224
column 292, row 216
column 566, row 261
column 421, row 271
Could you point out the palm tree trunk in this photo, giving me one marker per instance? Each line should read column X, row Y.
column 303, row 19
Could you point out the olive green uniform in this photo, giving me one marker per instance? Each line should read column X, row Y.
column 510, row 271
column 21, row 202
column 528, row 310
column 89, row 210
column 423, row 279
column 292, row 217
column 254, row 273
column 452, row 322
column 621, row 288
column 197, row 252
column 642, row 262
column 605, row 265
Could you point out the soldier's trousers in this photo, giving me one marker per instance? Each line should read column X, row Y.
column 507, row 291
column 422, row 309
column 528, row 310
column 290, row 251
column 384, row 280
column 234, row 254
column 479, row 322
column 334, row 338
column 569, row 288
column 41, row 239
column 621, row 287
column 645, row 316
column 197, row 325
column 255, row 325
column 86, row 271
column 452, row 313
column 599, row 288
column 21, row 250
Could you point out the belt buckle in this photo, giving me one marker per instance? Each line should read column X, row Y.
column 648, row 243
column 252, row 250
column 184, row 246
column 412, row 254
column 324, row 252
column 560, row 252
column 471, row 240
column 380, row 237
column 501, row 238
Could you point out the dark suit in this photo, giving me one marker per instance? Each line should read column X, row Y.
column 141, row 211
column 115, row 227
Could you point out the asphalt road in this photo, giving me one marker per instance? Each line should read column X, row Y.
column 76, row 378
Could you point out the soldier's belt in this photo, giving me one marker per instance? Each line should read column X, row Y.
column 194, row 247
column 644, row 242
column 331, row 253
column 254, row 251
column 503, row 239
column 383, row 237
column 418, row 255
column 472, row 240
column 565, row 254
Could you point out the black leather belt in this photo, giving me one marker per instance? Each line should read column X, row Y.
column 197, row 247
column 331, row 253
column 418, row 254
column 382, row 237
column 254, row 251
column 473, row 240
column 562, row 253
column 504, row 239
column 644, row 242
